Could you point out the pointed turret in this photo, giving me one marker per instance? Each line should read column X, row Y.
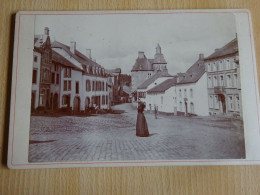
column 158, row 49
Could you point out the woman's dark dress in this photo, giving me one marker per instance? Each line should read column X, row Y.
column 141, row 125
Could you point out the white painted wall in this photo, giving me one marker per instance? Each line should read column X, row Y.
column 169, row 100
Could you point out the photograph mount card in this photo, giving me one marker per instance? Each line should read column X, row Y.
column 134, row 88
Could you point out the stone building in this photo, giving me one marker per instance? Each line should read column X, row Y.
column 65, row 79
column 83, row 81
column 223, row 74
column 145, row 68
column 41, row 75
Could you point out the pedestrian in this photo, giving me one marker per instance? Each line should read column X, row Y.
column 141, row 125
column 155, row 111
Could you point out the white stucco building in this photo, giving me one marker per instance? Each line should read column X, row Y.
column 185, row 94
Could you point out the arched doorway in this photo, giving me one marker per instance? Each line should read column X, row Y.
column 55, row 101
column 222, row 100
column 76, row 104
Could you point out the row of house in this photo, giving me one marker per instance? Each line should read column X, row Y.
column 65, row 79
column 211, row 86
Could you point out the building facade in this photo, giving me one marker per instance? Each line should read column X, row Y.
column 223, row 80
column 41, row 77
column 184, row 94
column 66, row 80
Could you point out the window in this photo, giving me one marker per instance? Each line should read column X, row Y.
column 56, row 67
column 215, row 81
column 191, row 93
column 65, row 86
column 103, row 86
column 221, row 80
column 69, row 85
column 57, row 79
column 161, row 99
column 53, row 78
column 185, row 93
column 106, row 99
column 235, row 80
column 103, row 100
column 67, row 72
column 209, row 82
column 229, row 82
column 88, row 85
column 35, row 58
column 34, row 80
column 93, row 85
column 228, row 65
column 237, row 102
column 220, row 65
column 230, row 101
column 211, row 101
column 216, row 102
column 214, row 66
column 77, row 87
column 180, row 95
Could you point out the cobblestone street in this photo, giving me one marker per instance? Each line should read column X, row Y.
column 111, row 137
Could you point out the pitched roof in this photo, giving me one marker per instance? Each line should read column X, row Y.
column 229, row 48
column 149, row 81
column 127, row 89
column 159, row 59
column 162, row 87
column 142, row 64
column 77, row 55
column 194, row 73
column 115, row 70
column 60, row 56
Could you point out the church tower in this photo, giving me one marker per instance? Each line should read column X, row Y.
column 159, row 63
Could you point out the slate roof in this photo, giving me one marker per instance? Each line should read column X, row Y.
column 159, row 59
column 142, row 64
column 127, row 89
column 162, row 87
column 78, row 56
column 149, row 81
column 229, row 48
column 57, row 57
column 194, row 73
column 115, row 70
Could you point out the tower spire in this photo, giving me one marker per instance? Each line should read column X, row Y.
column 158, row 49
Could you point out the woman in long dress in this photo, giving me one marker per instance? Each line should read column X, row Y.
column 141, row 125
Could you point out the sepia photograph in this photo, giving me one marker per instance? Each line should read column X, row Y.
column 135, row 87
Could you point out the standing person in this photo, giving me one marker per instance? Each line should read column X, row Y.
column 155, row 111
column 141, row 125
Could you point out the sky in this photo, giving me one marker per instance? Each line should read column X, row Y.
column 115, row 40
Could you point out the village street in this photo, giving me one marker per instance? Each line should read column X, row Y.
column 111, row 137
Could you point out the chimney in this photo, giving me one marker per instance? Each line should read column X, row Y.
column 46, row 31
column 140, row 54
column 72, row 47
column 88, row 53
column 201, row 56
column 94, row 60
column 216, row 50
